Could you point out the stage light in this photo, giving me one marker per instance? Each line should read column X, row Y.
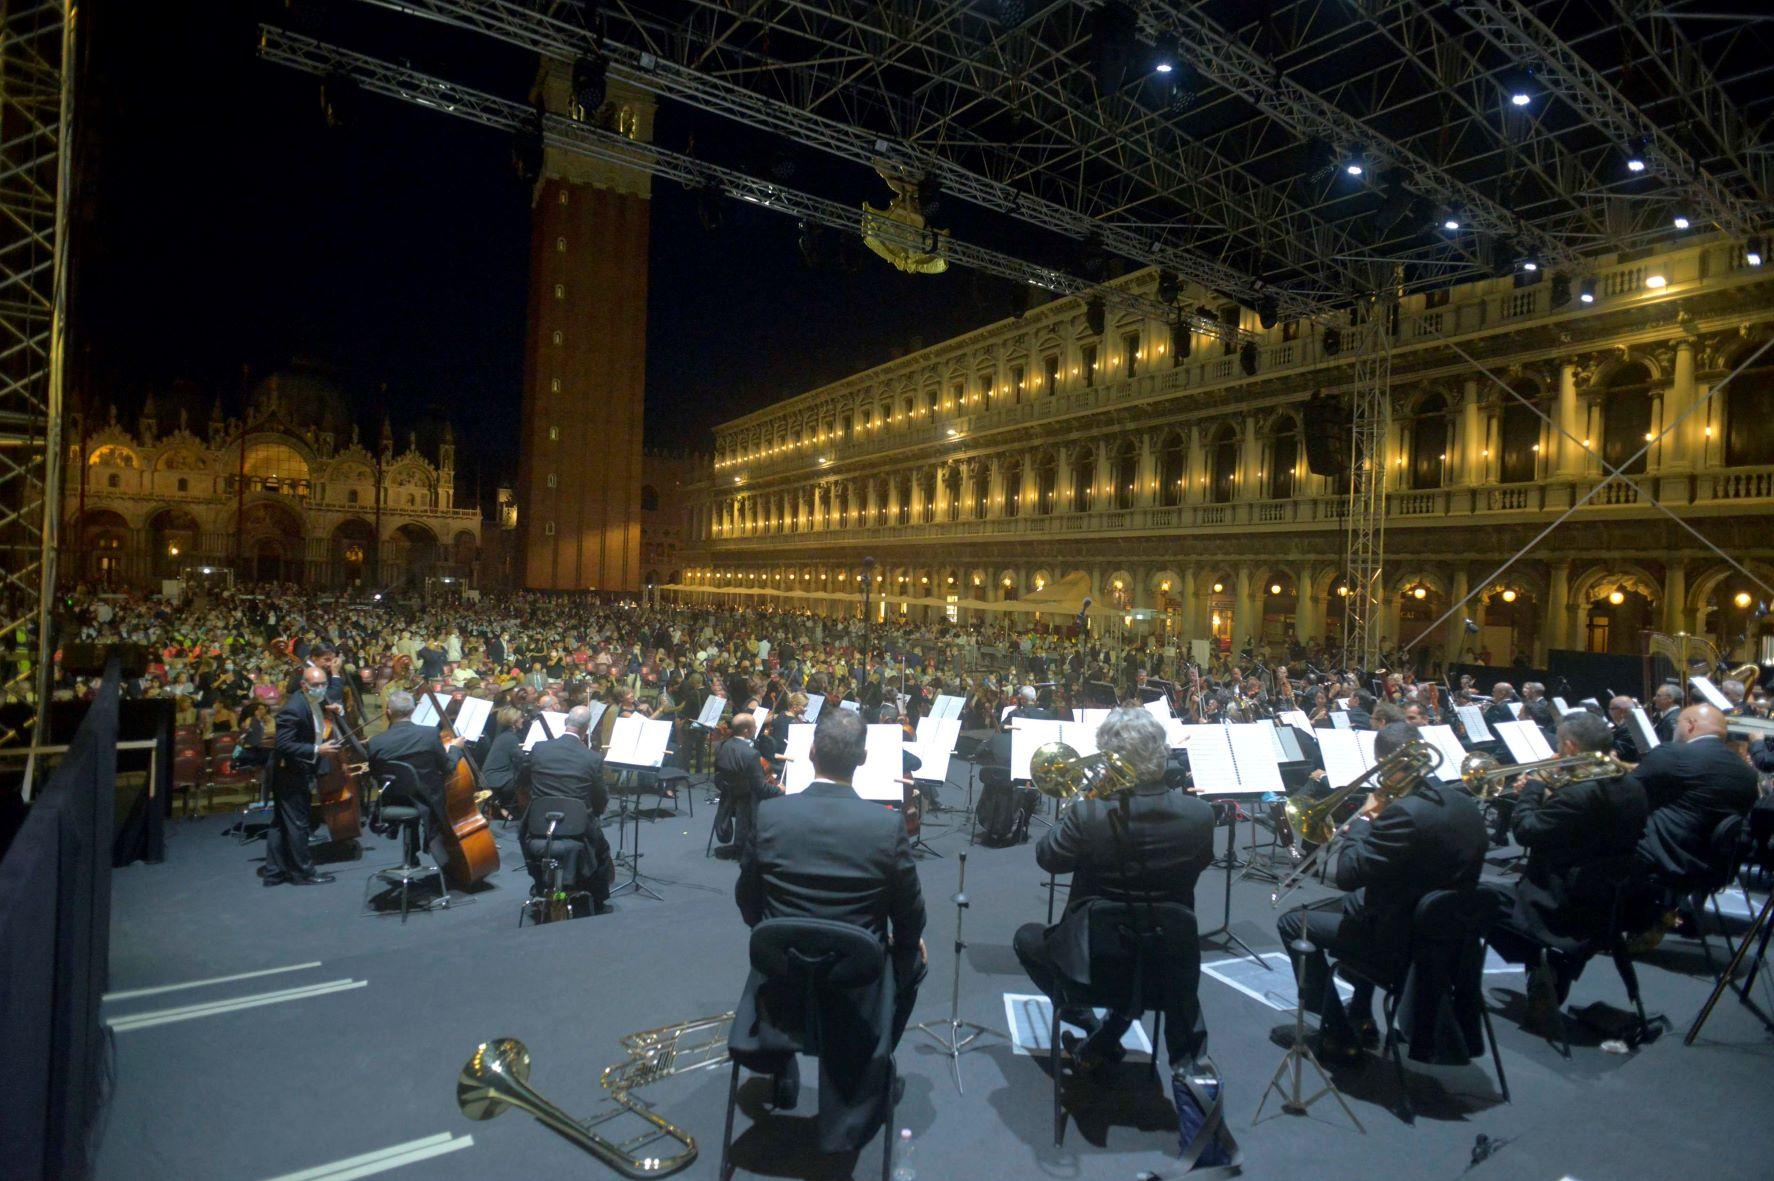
column 1680, row 222
column 1752, row 252
column 1164, row 54
column 1616, row 598
column 589, row 77
column 1530, row 264
column 1742, row 599
column 1561, row 290
column 1586, row 291
column 1268, row 311
column 1342, row 592
column 1355, row 168
column 1635, row 161
column 1520, row 98
column 1451, row 224
column 1656, row 282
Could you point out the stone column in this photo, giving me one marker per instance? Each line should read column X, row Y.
column 1558, row 595
column 1675, row 597
column 1250, row 458
column 1145, row 491
column 1459, row 585
column 1026, row 486
column 1472, row 440
column 1684, row 446
column 1194, row 490
column 1568, row 439
column 1189, row 609
column 995, row 489
column 1305, row 607
column 1245, row 620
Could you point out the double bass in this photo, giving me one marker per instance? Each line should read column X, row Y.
column 473, row 854
column 340, row 807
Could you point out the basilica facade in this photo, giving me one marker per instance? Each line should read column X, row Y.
column 1165, row 471
column 285, row 493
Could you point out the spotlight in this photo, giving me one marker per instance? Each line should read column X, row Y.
column 1615, row 598
column 1680, row 222
column 1470, row 626
column 1520, row 98
column 1586, row 291
column 1355, row 168
column 1164, row 55
column 1656, row 282
column 1635, row 161
column 1168, row 286
column 1742, row 599
column 1530, row 264
column 526, row 150
column 1752, row 252
column 1451, row 225
column 1182, row 339
column 1093, row 316
column 1332, row 342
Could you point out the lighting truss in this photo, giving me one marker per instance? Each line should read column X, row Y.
column 551, row 36
column 36, row 97
column 377, row 76
column 1364, row 550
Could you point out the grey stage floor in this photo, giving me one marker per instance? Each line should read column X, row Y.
column 312, row 1079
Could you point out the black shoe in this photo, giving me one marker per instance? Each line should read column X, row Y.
column 1336, row 1047
column 786, row 1090
column 315, row 879
column 1080, row 1018
column 1543, row 1016
column 1367, row 1033
column 1089, row 1055
column 272, row 879
column 604, row 908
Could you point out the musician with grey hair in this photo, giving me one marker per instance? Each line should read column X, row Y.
column 420, row 750
column 1148, row 842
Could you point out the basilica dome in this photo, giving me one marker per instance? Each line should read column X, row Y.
column 305, row 394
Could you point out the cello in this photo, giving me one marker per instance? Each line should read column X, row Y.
column 473, row 853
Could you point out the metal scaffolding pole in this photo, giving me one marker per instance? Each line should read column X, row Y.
column 36, row 114
column 1365, row 522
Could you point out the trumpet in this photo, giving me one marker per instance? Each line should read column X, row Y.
column 1395, row 775
column 1487, row 779
column 498, row 1077
column 1058, row 770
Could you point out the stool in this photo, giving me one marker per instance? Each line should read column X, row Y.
column 407, row 819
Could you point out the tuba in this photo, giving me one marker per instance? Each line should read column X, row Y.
column 1395, row 775
column 498, row 1077
column 1058, row 770
column 1746, row 675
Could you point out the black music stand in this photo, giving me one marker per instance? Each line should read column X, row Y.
column 632, row 858
column 1228, row 863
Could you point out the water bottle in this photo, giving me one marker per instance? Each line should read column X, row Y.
column 905, row 1168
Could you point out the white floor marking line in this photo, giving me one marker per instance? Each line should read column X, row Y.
column 383, row 1159
column 133, row 993
column 189, row 1012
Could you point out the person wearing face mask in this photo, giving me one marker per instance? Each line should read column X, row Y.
column 302, row 754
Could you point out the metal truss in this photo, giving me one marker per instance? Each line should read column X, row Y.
column 1364, row 550
column 376, row 76
column 550, row 36
column 36, row 97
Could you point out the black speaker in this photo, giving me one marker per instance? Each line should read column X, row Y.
column 88, row 660
column 1326, row 424
column 1093, row 316
column 1247, row 358
column 1333, row 341
column 1182, row 339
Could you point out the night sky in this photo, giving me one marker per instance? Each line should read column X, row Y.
column 222, row 224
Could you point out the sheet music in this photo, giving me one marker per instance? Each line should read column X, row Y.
column 936, row 742
column 1473, row 719
column 947, row 706
column 424, row 713
column 1447, row 742
column 1525, row 741
column 1275, row 739
column 1005, row 712
column 1710, row 693
column 760, row 715
column 1287, row 743
column 1254, row 752
column 710, row 717
column 1176, row 733
column 851, row 706
column 797, row 763
column 471, row 719
column 598, row 710
column 815, row 703
column 1558, row 703
column 557, row 725
column 1158, row 708
column 1346, row 757
column 1515, row 708
column 1025, row 737
column 1643, row 732
column 1211, row 764
column 879, row 776
column 638, row 742
column 1090, row 717
column 1296, row 717
column 1339, row 719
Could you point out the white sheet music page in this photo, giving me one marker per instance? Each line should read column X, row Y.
column 1473, row 719
column 797, row 765
column 1176, row 733
column 879, row 776
column 760, row 715
column 1642, row 730
column 557, row 725
column 1525, row 741
column 1344, row 759
column 1080, row 736
column 1340, row 719
column 638, row 742
column 471, row 719
column 946, row 705
column 1275, row 739
column 1091, row 717
column 424, row 713
column 1296, row 717
column 851, row 706
column 936, row 742
column 1158, row 708
column 1515, row 708
column 1447, row 742
column 1025, row 737
column 710, row 717
column 1560, row 705
column 1211, row 764
column 815, row 703
column 1710, row 692
column 1253, row 750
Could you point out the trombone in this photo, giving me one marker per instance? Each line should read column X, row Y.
column 1312, row 819
column 498, row 1077
column 1487, row 779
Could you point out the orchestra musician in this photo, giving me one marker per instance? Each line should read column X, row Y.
column 1397, row 850
column 1502, row 693
column 567, row 766
column 740, row 781
column 302, row 754
column 1625, row 741
column 1691, row 784
column 1580, row 840
column 420, row 748
column 1665, row 709
column 498, row 773
column 1151, row 844
column 826, row 853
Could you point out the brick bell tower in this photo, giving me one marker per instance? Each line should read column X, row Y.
column 579, row 461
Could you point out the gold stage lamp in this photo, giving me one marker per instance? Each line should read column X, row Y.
column 898, row 233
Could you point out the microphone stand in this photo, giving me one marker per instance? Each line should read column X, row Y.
column 947, row 1034
column 1294, row 1101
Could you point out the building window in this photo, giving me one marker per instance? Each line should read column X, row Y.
column 560, row 291
column 1438, row 299
column 351, row 496
column 548, row 529
column 1290, row 330
column 113, row 481
column 1520, row 430
column 563, row 200
column 865, row 419
column 1749, row 418
column 1050, row 376
column 1088, row 364
column 554, row 434
column 1017, row 378
column 958, row 393
column 560, row 245
column 412, row 501
column 184, row 484
column 553, row 481
column 557, row 336
column 844, row 427
column 930, row 400
column 1130, row 353
column 1284, row 456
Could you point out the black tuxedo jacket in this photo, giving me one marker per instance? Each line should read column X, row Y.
column 1690, row 787
column 1432, row 839
column 1151, row 844
column 1580, row 841
column 1664, row 724
column 420, row 748
column 826, row 853
column 738, row 772
column 1499, row 711
column 565, row 766
column 499, row 769
column 295, row 761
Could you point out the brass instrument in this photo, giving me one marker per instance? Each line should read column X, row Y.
column 1058, row 770
column 497, row 1077
column 1395, row 775
column 1487, row 779
column 1745, row 675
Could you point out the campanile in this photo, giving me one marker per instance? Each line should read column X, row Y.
column 579, row 463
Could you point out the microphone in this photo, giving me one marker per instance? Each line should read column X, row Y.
column 1083, row 609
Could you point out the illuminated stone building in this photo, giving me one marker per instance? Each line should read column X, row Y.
column 287, row 493
column 1176, row 482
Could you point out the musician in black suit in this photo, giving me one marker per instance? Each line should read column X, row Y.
column 301, row 756
column 1665, row 709
column 1151, row 842
column 499, row 770
column 1502, row 693
column 420, row 748
column 566, row 766
column 1691, row 785
column 826, row 853
column 1396, row 851
column 740, row 781
column 1026, row 708
column 1625, row 744
column 1580, row 840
